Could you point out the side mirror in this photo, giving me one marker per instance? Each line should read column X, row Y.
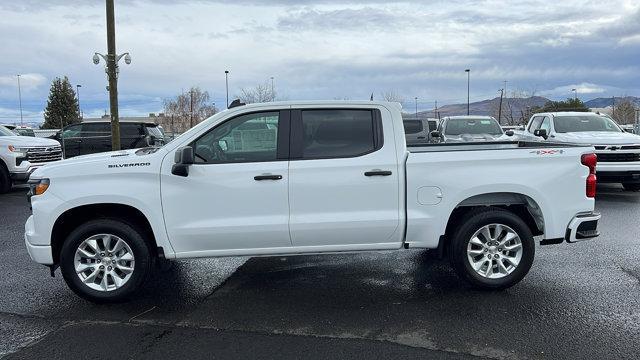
column 435, row 134
column 182, row 160
column 541, row 133
column 509, row 133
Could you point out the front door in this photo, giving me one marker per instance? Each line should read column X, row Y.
column 343, row 180
column 235, row 196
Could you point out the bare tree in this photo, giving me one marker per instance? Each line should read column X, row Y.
column 258, row 94
column 624, row 111
column 516, row 106
column 189, row 108
column 392, row 96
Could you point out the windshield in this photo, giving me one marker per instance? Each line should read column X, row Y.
column 472, row 126
column 5, row 132
column 578, row 123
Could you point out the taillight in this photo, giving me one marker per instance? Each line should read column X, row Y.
column 590, row 161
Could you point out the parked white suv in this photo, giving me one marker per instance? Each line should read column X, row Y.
column 618, row 151
column 21, row 155
column 290, row 178
column 470, row 128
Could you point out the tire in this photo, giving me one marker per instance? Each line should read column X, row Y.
column 122, row 273
column 5, row 180
column 631, row 186
column 464, row 249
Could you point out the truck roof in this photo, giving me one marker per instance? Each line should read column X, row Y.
column 324, row 102
column 568, row 113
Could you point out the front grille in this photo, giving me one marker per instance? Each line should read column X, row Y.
column 618, row 157
column 44, row 154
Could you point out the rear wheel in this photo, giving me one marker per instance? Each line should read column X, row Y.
column 105, row 260
column 492, row 249
column 631, row 186
column 5, row 180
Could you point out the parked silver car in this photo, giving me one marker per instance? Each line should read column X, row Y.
column 470, row 128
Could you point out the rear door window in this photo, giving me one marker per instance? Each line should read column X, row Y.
column 95, row 130
column 337, row 133
column 412, row 126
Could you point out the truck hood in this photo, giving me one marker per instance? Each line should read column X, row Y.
column 27, row 141
column 92, row 162
column 598, row 138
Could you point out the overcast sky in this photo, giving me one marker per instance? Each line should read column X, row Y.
column 320, row 49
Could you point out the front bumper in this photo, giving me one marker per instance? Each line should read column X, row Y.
column 629, row 176
column 39, row 253
column 583, row 227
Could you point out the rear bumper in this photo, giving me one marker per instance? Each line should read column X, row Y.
column 583, row 227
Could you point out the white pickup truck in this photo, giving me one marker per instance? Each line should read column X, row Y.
column 294, row 178
column 21, row 155
column 618, row 151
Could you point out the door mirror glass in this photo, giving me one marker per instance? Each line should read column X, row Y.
column 435, row 134
column 541, row 133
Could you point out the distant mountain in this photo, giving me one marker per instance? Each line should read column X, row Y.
column 604, row 102
column 517, row 106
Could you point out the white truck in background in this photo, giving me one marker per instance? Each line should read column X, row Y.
column 291, row 178
column 618, row 151
column 21, row 155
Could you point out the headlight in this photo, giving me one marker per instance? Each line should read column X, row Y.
column 21, row 152
column 38, row 186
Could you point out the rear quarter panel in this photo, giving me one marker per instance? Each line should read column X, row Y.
column 555, row 180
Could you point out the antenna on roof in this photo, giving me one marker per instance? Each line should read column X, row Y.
column 371, row 97
column 236, row 103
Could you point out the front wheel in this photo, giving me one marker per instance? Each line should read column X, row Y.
column 492, row 249
column 631, row 186
column 105, row 260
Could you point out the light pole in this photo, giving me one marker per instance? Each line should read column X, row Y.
column 575, row 94
column 226, row 80
column 468, row 71
column 78, row 86
column 20, row 99
column 416, row 107
column 273, row 96
column 112, row 70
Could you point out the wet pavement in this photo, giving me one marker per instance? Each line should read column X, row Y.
column 579, row 301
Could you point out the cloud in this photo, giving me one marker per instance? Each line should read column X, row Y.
column 321, row 49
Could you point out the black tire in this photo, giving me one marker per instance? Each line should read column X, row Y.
column 631, row 186
column 475, row 220
column 127, row 232
column 5, row 180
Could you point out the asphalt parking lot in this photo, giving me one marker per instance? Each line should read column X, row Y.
column 579, row 301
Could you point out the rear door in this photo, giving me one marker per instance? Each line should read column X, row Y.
column 96, row 138
column 343, row 179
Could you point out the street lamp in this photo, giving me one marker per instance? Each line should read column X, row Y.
column 575, row 94
column 416, row 107
column 20, row 99
column 273, row 96
column 468, row 71
column 226, row 80
column 78, row 86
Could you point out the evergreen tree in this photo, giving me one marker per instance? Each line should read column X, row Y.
column 571, row 104
column 62, row 105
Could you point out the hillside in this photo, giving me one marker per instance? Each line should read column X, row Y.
column 517, row 106
column 604, row 102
